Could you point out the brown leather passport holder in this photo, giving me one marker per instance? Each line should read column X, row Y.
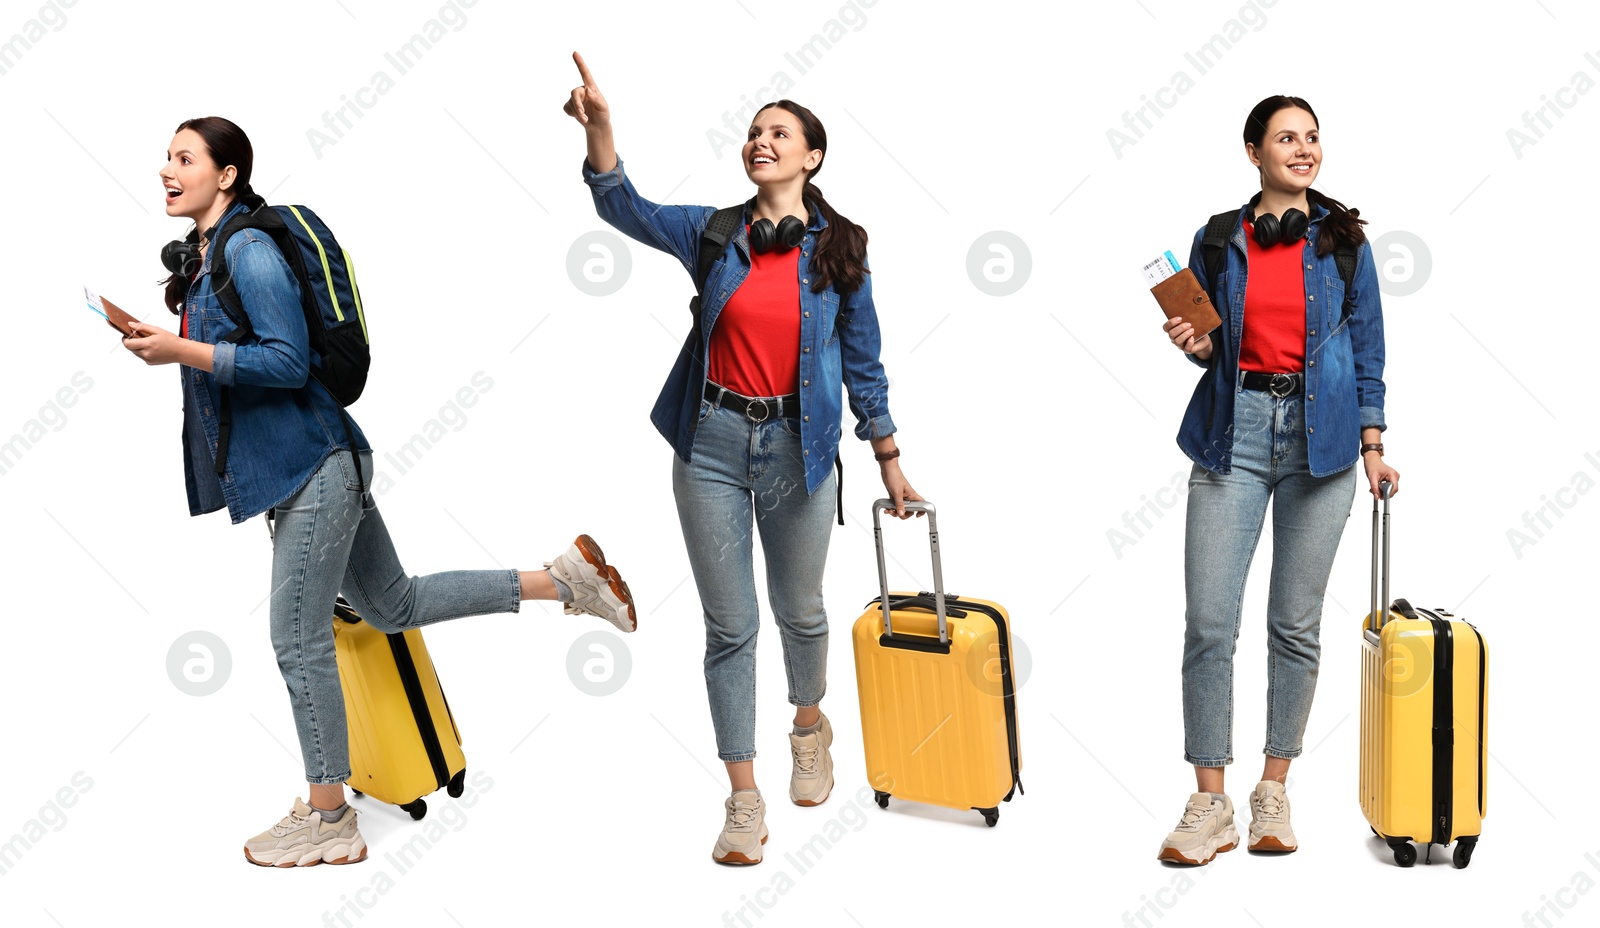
column 1182, row 295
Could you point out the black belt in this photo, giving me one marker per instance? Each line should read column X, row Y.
column 1279, row 385
column 756, row 409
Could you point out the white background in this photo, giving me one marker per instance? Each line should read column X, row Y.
column 1035, row 421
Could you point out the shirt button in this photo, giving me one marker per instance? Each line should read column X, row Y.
column 1309, row 430
column 805, row 280
column 808, row 453
column 1313, row 364
column 1312, row 398
column 807, row 383
column 1313, row 332
column 1308, row 267
column 807, row 349
column 808, row 315
column 1312, row 298
column 805, row 418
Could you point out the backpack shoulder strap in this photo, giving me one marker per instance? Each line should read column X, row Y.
column 717, row 233
column 1218, row 229
column 1345, row 257
column 266, row 219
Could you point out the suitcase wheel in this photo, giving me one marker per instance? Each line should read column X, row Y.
column 417, row 809
column 358, row 792
column 990, row 816
column 883, row 799
column 1404, row 854
column 1463, row 854
column 458, row 784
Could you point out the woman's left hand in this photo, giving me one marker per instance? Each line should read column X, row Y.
column 899, row 490
column 1378, row 471
column 153, row 344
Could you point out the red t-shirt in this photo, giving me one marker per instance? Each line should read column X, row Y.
column 1274, row 339
column 755, row 343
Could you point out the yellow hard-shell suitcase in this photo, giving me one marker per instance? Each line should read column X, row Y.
column 403, row 740
column 938, row 697
column 1424, row 702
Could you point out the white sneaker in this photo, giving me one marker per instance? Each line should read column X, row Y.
column 745, row 830
column 303, row 839
column 1269, row 819
column 1205, row 831
column 597, row 588
column 811, row 779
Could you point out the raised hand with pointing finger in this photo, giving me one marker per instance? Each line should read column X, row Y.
column 588, row 106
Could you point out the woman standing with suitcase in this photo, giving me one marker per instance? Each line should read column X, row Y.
column 752, row 410
column 1292, row 396
column 288, row 451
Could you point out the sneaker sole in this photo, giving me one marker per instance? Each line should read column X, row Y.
column 736, row 859
column 590, row 549
column 1176, row 856
column 1269, row 844
column 814, row 802
column 290, row 863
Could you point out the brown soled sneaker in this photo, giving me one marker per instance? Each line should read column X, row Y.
column 597, row 587
column 1269, row 819
column 811, row 778
column 1205, row 831
column 744, row 831
column 303, row 839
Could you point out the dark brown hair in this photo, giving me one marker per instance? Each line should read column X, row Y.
column 1343, row 225
column 841, row 257
column 225, row 144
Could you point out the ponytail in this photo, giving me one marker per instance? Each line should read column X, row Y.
column 841, row 258
column 1342, row 227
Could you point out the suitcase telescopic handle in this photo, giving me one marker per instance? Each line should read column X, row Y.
column 1380, row 548
column 883, row 571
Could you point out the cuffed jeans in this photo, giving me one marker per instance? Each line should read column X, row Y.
column 328, row 539
column 742, row 470
column 1225, row 515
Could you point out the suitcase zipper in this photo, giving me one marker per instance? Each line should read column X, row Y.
column 407, row 668
column 1443, row 726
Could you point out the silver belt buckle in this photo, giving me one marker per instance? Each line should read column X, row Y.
column 1281, row 385
column 765, row 411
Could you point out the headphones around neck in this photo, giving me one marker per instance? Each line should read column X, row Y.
column 1271, row 230
column 183, row 258
column 765, row 237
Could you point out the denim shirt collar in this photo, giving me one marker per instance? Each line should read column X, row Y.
column 234, row 208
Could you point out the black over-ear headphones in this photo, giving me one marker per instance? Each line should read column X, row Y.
column 765, row 237
column 183, row 258
column 1271, row 230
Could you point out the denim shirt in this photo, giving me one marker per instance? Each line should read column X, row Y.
column 1344, row 356
column 284, row 425
column 839, row 338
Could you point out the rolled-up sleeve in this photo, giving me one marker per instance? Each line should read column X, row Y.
column 279, row 354
column 865, row 383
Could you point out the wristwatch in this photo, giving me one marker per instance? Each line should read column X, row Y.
column 1373, row 446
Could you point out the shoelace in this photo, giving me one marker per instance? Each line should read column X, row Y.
column 1192, row 815
column 805, row 757
column 291, row 822
column 740, row 816
column 1271, row 806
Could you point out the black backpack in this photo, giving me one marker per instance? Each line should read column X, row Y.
column 329, row 298
column 714, row 240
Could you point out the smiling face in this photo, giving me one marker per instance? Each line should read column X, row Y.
column 1290, row 152
column 195, row 186
column 776, row 151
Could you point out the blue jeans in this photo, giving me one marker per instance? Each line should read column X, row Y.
column 1225, row 515
column 329, row 538
column 742, row 470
